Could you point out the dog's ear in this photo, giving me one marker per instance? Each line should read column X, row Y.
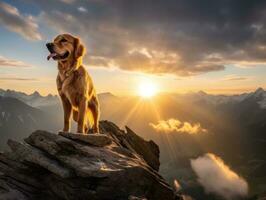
column 79, row 49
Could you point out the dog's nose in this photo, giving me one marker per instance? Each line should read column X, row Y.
column 49, row 45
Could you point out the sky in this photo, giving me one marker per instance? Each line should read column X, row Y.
column 218, row 46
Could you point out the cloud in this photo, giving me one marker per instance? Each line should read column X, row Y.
column 184, row 37
column 174, row 125
column 216, row 177
column 13, row 20
column 5, row 62
column 17, row 79
column 82, row 9
column 235, row 78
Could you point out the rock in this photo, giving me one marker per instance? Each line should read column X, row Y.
column 84, row 160
column 25, row 152
column 148, row 150
column 98, row 140
column 114, row 165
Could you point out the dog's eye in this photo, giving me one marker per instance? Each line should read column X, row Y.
column 63, row 40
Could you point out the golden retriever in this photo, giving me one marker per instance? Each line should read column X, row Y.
column 74, row 84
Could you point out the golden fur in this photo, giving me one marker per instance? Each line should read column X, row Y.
column 74, row 84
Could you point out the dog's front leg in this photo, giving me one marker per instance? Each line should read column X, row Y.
column 82, row 114
column 67, row 113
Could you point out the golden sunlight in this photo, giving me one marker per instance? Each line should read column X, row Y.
column 147, row 89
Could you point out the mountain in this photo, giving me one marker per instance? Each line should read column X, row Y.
column 39, row 101
column 109, row 166
column 34, row 99
column 17, row 119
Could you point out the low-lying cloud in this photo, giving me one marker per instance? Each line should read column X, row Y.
column 174, row 125
column 13, row 20
column 216, row 177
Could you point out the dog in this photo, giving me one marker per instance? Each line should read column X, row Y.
column 74, row 84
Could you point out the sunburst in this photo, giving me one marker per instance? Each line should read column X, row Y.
column 147, row 89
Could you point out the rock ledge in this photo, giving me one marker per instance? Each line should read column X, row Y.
column 114, row 165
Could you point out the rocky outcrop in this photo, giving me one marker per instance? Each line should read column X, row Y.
column 114, row 165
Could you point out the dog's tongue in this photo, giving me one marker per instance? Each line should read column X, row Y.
column 51, row 55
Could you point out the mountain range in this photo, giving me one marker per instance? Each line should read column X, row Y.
column 185, row 126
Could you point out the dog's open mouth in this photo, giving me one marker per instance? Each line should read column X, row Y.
column 56, row 56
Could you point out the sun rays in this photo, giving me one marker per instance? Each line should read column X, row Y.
column 151, row 105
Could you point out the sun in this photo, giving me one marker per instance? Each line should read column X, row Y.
column 147, row 89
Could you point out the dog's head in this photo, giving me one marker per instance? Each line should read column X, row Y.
column 65, row 47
